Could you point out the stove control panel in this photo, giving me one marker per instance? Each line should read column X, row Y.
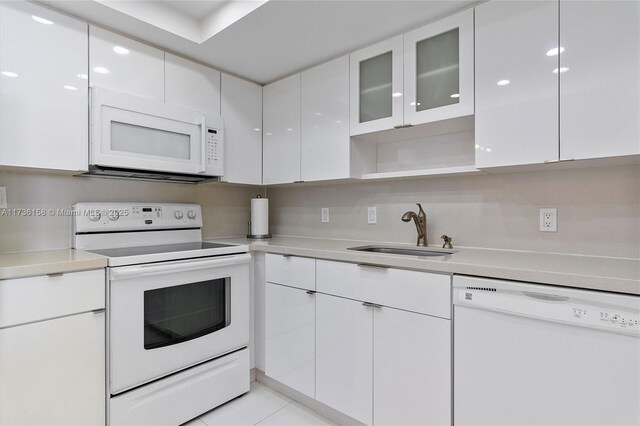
column 107, row 217
column 146, row 212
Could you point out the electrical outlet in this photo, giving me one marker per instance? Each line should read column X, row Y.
column 3, row 197
column 324, row 215
column 372, row 215
column 548, row 220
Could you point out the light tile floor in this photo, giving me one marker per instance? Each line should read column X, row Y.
column 261, row 406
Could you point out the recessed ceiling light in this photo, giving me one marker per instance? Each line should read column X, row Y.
column 555, row 51
column 318, row 114
column 9, row 74
column 70, row 87
column 289, row 129
column 488, row 149
column 503, row 82
column 41, row 20
column 455, row 95
column 101, row 70
column 412, row 103
column 121, row 50
column 83, row 76
column 396, row 94
column 562, row 69
column 257, row 129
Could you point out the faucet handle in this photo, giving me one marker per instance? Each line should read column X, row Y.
column 447, row 242
column 420, row 208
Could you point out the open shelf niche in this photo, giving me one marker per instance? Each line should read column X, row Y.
column 433, row 149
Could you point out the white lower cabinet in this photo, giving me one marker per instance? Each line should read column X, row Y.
column 290, row 337
column 411, row 368
column 344, row 356
column 52, row 349
column 53, row 372
column 383, row 366
column 376, row 341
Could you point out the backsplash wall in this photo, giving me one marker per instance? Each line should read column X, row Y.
column 225, row 207
column 598, row 210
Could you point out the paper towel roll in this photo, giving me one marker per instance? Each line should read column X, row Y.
column 259, row 217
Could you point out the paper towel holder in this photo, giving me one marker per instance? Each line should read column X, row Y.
column 256, row 237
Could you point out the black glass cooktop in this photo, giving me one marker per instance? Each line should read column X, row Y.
column 159, row 249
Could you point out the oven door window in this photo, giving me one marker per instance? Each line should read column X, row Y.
column 180, row 313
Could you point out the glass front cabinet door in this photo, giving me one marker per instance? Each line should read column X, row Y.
column 438, row 70
column 376, row 87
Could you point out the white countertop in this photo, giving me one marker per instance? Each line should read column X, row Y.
column 620, row 275
column 32, row 263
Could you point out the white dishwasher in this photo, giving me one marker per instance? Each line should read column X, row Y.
column 527, row 354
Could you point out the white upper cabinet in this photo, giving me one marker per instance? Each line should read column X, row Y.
column 191, row 85
column 516, row 113
column 241, row 109
column 423, row 76
column 281, row 143
column 325, row 142
column 438, row 70
column 599, row 79
column 43, row 88
column 376, row 87
column 125, row 65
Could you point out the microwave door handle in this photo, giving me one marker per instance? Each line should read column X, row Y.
column 203, row 145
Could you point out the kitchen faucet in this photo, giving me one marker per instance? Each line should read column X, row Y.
column 420, row 220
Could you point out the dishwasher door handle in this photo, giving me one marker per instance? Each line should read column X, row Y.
column 543, row 297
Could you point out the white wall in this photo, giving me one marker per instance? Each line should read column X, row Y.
column 225, row 207
column 598, row 210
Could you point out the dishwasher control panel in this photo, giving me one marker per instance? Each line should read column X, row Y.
column 615, row 313
column 609, row 319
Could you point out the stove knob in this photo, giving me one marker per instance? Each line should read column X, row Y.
column 191, row 214
column 178, row 214
column 94, row 216
column 113, row 216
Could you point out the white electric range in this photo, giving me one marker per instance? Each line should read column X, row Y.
column 177, row 310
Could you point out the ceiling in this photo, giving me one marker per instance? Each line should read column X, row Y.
column 258, row 39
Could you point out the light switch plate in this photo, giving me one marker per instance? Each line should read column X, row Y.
column 548, row 220
column 3, row 197
column 324, row 215
column 372, row 215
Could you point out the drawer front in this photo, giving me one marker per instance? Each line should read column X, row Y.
column 39, row 298
column 293, row 271
column 415, row 291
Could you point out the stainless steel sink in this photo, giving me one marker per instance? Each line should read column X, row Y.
column 403, row 250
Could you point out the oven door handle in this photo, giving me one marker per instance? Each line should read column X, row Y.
column 140, row 271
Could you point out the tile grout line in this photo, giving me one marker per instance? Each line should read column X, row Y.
column 279, row 409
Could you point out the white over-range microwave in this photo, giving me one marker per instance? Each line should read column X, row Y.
column 138, row 138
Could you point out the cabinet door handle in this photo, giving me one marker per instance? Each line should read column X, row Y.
column 59, row 274
column 286, row 256
column 369, row 265
column 99, row 311
column 311, row 292
column 371, row 305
